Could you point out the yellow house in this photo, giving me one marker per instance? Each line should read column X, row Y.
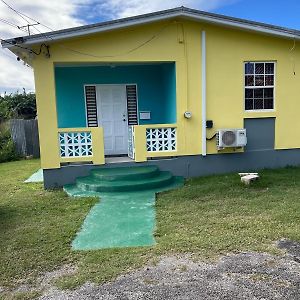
column 192, row 92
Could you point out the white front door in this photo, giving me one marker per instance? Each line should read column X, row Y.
column 112, row 116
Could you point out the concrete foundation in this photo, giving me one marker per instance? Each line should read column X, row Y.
column 188, row 166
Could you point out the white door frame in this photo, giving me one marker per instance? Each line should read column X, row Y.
column 99, row 113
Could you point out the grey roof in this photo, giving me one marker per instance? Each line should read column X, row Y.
column 152, row 17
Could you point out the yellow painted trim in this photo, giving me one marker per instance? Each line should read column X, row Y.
column 98, row 145
column 140, row 143
column 76, row 159
column 76, row 129
column 260, row 114
column 159, row 125
column 162, row 154
column 46, row 111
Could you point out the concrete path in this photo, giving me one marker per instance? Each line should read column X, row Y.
column 119, row 220
column 125, row 215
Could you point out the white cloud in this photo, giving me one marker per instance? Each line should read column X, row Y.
column 58, row 14
column 121, row 8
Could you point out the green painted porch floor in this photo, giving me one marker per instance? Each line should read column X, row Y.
column 121, row 218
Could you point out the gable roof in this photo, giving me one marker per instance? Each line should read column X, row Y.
column 182, row 11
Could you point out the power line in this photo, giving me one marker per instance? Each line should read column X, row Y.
column 14, row 10
column 108, row 56
column 22, row 15
column 28, row 27
column 11, row 24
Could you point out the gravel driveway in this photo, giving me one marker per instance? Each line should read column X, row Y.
column 236, row 276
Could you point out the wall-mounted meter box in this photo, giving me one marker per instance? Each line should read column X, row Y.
column 145, row 115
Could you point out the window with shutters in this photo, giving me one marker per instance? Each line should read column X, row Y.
column 91, row 106
column 259, row 85
column 131, row 93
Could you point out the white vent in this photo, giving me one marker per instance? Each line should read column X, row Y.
column 227, row 138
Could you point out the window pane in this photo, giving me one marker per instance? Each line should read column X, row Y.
column 259, row 68
column 258, row 103
column 268, row 93
column 269, row 80
column 249, row 104
column 259, row 80
column 269, row 68
column 268, row 104
column 258, row 93
column 249, row 93
column 259, row 85
column 249, row 81
column 249, row 68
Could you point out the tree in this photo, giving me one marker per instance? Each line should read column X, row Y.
column 17, row 105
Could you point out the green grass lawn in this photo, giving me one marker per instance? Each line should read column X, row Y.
column 210, row 216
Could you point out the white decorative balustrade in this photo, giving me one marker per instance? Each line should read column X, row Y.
column 75, row 144
column 161, row 139
column 131, row 148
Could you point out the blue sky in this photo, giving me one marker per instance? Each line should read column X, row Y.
column 278, row 12
column 59, row 14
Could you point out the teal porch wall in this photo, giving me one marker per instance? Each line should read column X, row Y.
column 156, row 86
column 169, row 82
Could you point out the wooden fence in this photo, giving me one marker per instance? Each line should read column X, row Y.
column 25, row 136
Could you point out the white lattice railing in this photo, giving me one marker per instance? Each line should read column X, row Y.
column 131, row 148
column 75, row 144
column 161, row 139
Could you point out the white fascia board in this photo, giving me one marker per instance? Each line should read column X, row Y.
column 52, row 36
column 241, row 25
column 85, row 31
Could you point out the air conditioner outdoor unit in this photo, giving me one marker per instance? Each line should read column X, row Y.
column 233, row 138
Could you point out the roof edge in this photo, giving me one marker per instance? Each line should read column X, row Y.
column 152, row 17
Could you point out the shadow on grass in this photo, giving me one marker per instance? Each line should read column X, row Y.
column 8, row 218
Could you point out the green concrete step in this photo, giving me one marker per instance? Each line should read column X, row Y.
column 92, row 184
column 74, row 191
column 132, row 173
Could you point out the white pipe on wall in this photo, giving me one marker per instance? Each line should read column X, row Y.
column 203, row 93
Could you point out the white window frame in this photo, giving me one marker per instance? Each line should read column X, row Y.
column 257, row 87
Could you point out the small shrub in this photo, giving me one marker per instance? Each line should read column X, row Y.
column 7, row 148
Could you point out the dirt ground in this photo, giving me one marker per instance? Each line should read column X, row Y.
column 236, row 276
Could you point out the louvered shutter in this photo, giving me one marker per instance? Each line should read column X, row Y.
column 132, row 104
column 91, row 106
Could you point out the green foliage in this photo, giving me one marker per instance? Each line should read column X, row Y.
column 7, row 149
column 17, row 105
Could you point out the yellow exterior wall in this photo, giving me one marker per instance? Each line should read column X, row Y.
column 46, row 110
column 180, row 41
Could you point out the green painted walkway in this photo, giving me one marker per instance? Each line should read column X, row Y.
column 119, row 220
column 36, row 177
column 125, row 215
